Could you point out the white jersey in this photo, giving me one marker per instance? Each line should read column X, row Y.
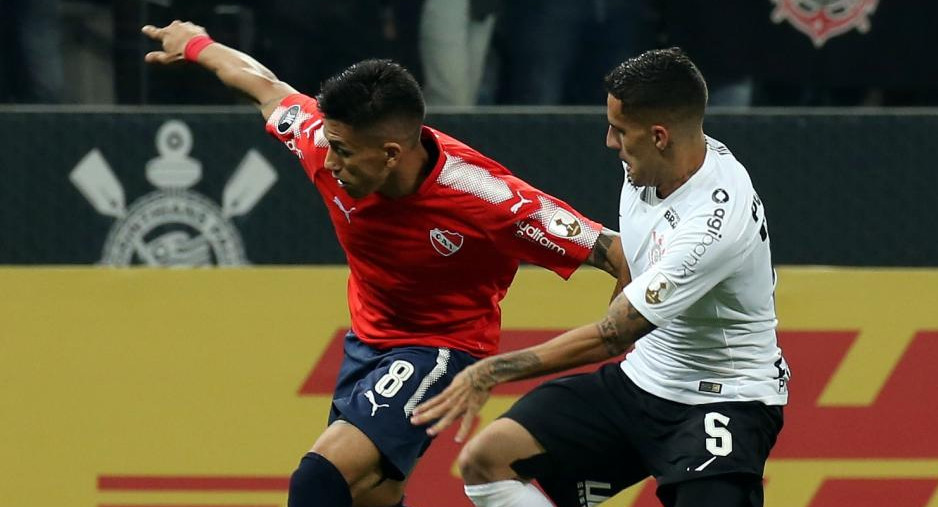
column 702, row 273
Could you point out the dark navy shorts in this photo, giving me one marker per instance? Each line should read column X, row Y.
column 377, row 391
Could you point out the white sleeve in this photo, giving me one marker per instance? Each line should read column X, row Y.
column 703, row 251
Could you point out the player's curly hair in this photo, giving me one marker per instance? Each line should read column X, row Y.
column 372, row 92
column 660, row 81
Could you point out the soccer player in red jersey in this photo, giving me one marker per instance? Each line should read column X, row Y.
column 434, row 233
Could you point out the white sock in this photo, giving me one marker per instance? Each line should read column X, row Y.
column 507, row 494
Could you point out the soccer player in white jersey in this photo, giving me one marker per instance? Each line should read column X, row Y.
column 698, row 401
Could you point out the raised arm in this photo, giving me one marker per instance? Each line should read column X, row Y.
column 234, row 68
column 592, row 343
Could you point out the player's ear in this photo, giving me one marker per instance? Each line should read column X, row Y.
column 392, row 153
column 661, row 136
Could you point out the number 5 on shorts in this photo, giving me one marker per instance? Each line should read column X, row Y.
column 392, row 381
column 720, row 442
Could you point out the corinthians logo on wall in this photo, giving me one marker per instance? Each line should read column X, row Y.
column 823, row 19
column 173, row 225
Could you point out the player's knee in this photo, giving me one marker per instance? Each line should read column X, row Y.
column 478, row 461
column 316, row 481
column 490, row 455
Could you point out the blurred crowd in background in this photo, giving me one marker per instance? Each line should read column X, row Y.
column 483, row 52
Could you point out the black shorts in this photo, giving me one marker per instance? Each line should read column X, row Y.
column 603, row 431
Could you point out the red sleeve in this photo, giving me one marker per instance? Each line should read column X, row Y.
column 295, row 123
column 543, row 230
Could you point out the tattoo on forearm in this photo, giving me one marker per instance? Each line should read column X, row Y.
column 509, row 367
column 621, row 327
column 610, row 336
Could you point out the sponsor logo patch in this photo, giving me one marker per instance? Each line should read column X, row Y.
column 593, row 493
column 672, row 217
column 710, row 387
column 287, row 118
column 563, row 224
column 658, row 289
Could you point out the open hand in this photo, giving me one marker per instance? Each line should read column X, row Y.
column 464, row 397
column 174, row 37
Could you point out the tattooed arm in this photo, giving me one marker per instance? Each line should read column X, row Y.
column 592, row 343
column 608, row 256
column 607, row 253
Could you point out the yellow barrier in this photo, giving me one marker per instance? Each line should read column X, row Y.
column 145, row 387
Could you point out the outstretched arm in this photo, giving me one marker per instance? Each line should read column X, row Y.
column 234, row 68
column 592, row 343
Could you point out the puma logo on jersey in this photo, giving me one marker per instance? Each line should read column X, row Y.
column 374, row 404
column 516, row 207
column 347, row 212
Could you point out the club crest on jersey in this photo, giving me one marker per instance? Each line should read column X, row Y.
column 658, row 289
column 445, row 243
column 657, row 248
column 563, row 224
column 287, row 118
column 823, row 19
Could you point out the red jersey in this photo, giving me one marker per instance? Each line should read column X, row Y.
column 429, row 269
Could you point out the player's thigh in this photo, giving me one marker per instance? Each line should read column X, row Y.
column 735, row 490
column 353, row 454
column 361, row 464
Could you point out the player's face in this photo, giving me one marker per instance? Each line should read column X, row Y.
column 635, row 143
column 357, row 161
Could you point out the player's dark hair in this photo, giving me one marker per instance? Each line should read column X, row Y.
column 371, row 92
column 660, row 81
